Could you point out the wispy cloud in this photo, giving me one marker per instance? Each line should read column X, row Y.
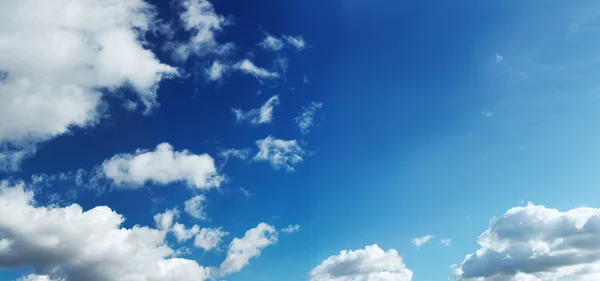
column 306, row 117
column 422, row 240
column 256, row 116
column 446, row 241
column 291, row 228
column 249, row 67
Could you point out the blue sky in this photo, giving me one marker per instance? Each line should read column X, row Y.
column 424, row 120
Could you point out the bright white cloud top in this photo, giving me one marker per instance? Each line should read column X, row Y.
column 368, row 264
column 162, row 166
column 537, row 243
column 279, row 153
column 256, row 116
column 84, row 245
column 50, row 84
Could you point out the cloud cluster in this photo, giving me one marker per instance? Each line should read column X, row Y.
column 279, row 153
column 257, row 116
column 84, row 245
column 162, row 166
column 368, row 264
column 537, row 243
column 75, row 52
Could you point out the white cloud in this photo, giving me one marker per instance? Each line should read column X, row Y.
column 249, row 67
column 216, row 70
column 209, row 238
column 84, row 245
column 195, row 207
column 130, row 105
column 241, row 154
column 537, row 243
column 271, row 43
column 446, row 242
column 305, row 119
column 296, row 41
column 291, row 228
column 499, row 58
column 183, row 234
column 35, row 277
column 245, row 192
column 261, row 115
column 200, row 18
column 370, row 264
column 164, row 221
column 279, row 153
column 305, row 79
column 162, row 166
column 241, row 250
column 55, row 56
column 422, row 240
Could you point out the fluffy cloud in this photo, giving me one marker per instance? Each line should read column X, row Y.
column 199, row 17
column 165, row 220
column 241, row 250
column 216, row 70
column 370, row 264
column 249, row 67
column 183, row 234
column 296, row 41
column 271, row 43
column 195, row 207
column 422, row 240
column 84, row 245
column 280, row 153
column 537, row 243
column 162, row 166
column 291, row 228
column 74, row 48
column 305, row 119
column 261, row 115
column 209, row 238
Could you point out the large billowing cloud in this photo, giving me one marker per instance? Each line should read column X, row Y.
column 162, row 166
column 241, row 250
column 84, row 245
column 57, row 58
column 368, row 264
column 537, row 243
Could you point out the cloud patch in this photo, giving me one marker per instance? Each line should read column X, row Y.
column 368, row 264
column 162, row 166
column 257, row 116
column 279, row 153
column 306, row 117
column 419, row 241
column 241, row 250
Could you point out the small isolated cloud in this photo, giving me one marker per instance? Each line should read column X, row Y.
column 305, row 79
column 279, row 153
column 130, row 105
column 291, row 228
column 162, row 166
column 446, row 242
column 295, row 41
column 68, row 243
column 257, row 116
column 534, row 242
column 209, row 238
column 249, row 67
column 241, row 250
column 306, row 117
column 241, row 154
column 370, row 263
column 499, row 58
column 195, row 207
column 422, row 240
column 245, row 192
column 488, row 114
column 216, row 70
column 271, row 43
